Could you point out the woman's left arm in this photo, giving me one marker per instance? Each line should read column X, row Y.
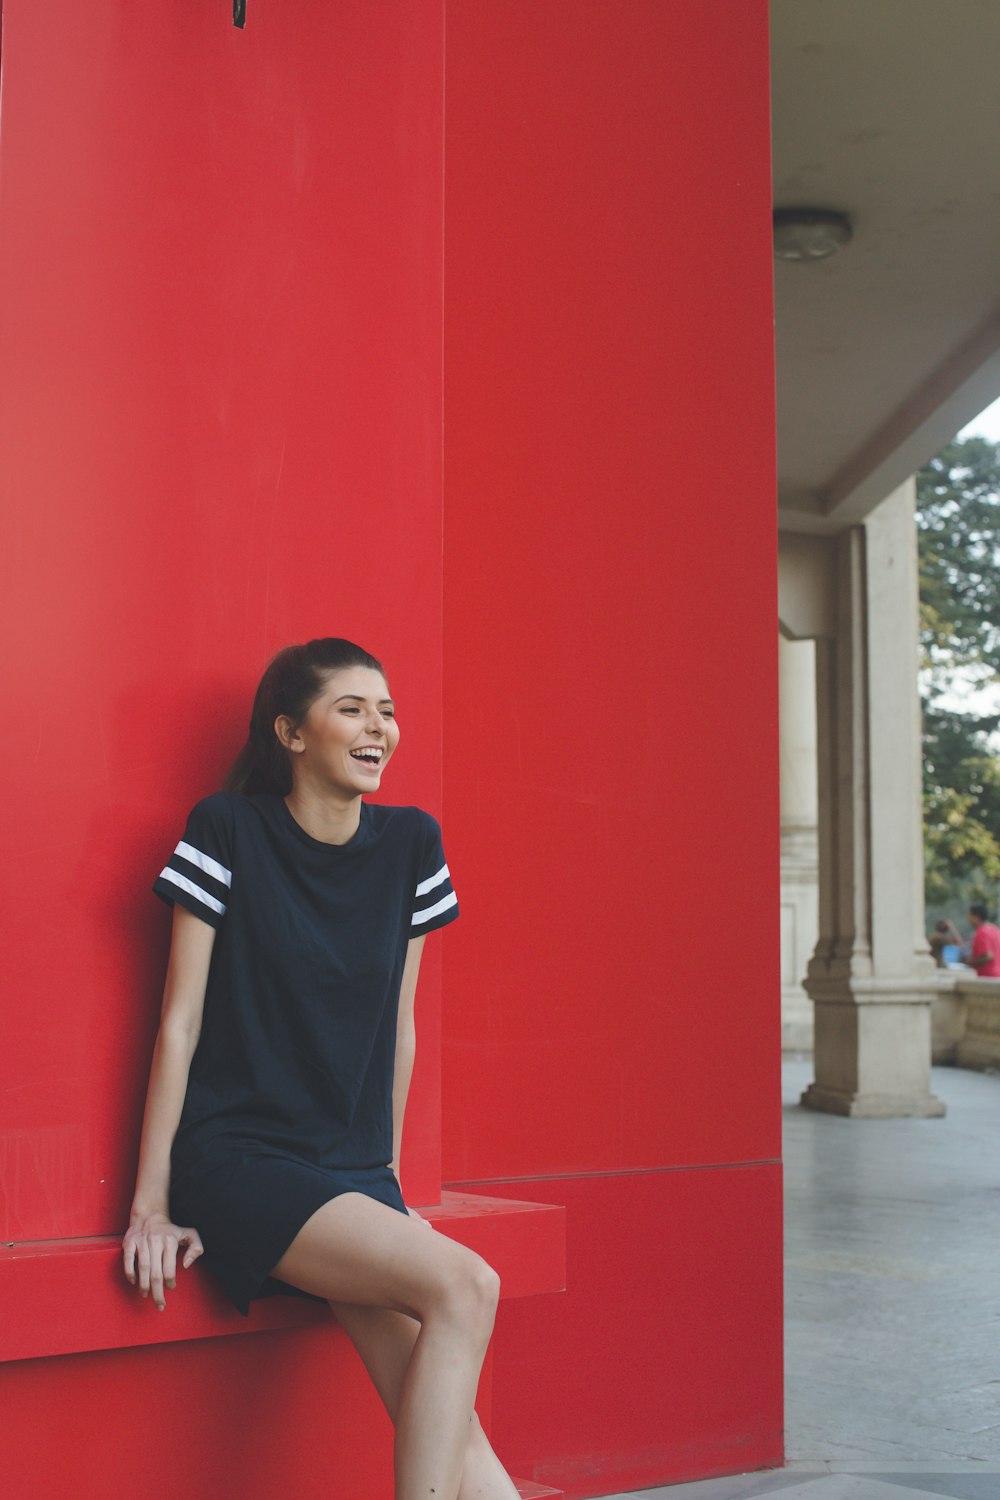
column 406, row 1043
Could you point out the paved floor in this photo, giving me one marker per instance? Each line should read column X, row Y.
column 892, row 1293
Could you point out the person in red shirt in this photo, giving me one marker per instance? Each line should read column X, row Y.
column 985, row 954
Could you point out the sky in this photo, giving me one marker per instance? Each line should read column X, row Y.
column 986, row 425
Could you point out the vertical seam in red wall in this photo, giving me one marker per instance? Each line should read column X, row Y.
column 441, row 597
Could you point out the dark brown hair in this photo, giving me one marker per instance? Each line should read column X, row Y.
column 291, row 683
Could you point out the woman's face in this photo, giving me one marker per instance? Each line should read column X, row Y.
column 349, row 733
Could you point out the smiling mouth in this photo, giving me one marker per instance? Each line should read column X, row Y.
column 370, row 757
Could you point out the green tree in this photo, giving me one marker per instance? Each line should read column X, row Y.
column 958, row 516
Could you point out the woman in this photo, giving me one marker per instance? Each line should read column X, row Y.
column 274, row 1114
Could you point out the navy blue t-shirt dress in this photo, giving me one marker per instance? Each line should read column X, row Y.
column 289, row 1097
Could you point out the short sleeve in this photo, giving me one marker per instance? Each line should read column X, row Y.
column 434, row 901
column 199, row 873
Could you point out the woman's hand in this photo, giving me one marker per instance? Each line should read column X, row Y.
column 149, row 1251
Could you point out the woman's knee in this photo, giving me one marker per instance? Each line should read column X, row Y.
column 471, row 1292
column 487, row 1288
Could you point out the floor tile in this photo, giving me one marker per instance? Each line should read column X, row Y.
column 955, row 1486
column 832, row 1486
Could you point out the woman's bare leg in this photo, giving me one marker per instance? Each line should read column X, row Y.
column 358, row 1251
column 385, row 1342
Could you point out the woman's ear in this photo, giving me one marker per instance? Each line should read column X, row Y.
column 288, row 734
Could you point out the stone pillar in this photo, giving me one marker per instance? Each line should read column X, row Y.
column 799, row 860
column 871, row 977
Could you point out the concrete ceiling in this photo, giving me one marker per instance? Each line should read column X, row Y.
column 890, row 111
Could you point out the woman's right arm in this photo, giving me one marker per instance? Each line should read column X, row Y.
column 151, row 1242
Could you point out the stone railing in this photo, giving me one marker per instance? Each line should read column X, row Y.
column 965, row 1021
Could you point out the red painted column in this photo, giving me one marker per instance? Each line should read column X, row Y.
column 611, row 1003
column 220, row 274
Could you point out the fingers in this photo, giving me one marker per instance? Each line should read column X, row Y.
column 142, row 1260
column 156, row 1270
column 192, row 1239
column 171, row 1244
column 170, row 1261
column 149, row 1259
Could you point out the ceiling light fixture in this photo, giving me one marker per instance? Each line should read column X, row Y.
column 809, row 233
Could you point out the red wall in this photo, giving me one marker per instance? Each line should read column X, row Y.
column 260, row 1416
column 222, row 414
column 220, row 270
column 221, row 393
column 611, row 1000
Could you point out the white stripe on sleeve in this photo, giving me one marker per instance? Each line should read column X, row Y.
column 432, row 911
column 204, row 862
column 432, row 881
column 193, row 890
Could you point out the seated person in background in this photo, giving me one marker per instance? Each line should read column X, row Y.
column 985, row 954
column 945, row 935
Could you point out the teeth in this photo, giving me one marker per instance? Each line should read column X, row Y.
column 372, row 755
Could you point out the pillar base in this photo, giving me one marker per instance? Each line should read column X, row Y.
column 870, row 1106
column 873, row 1044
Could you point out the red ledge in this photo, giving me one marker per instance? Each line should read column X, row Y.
column 69, row 1296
